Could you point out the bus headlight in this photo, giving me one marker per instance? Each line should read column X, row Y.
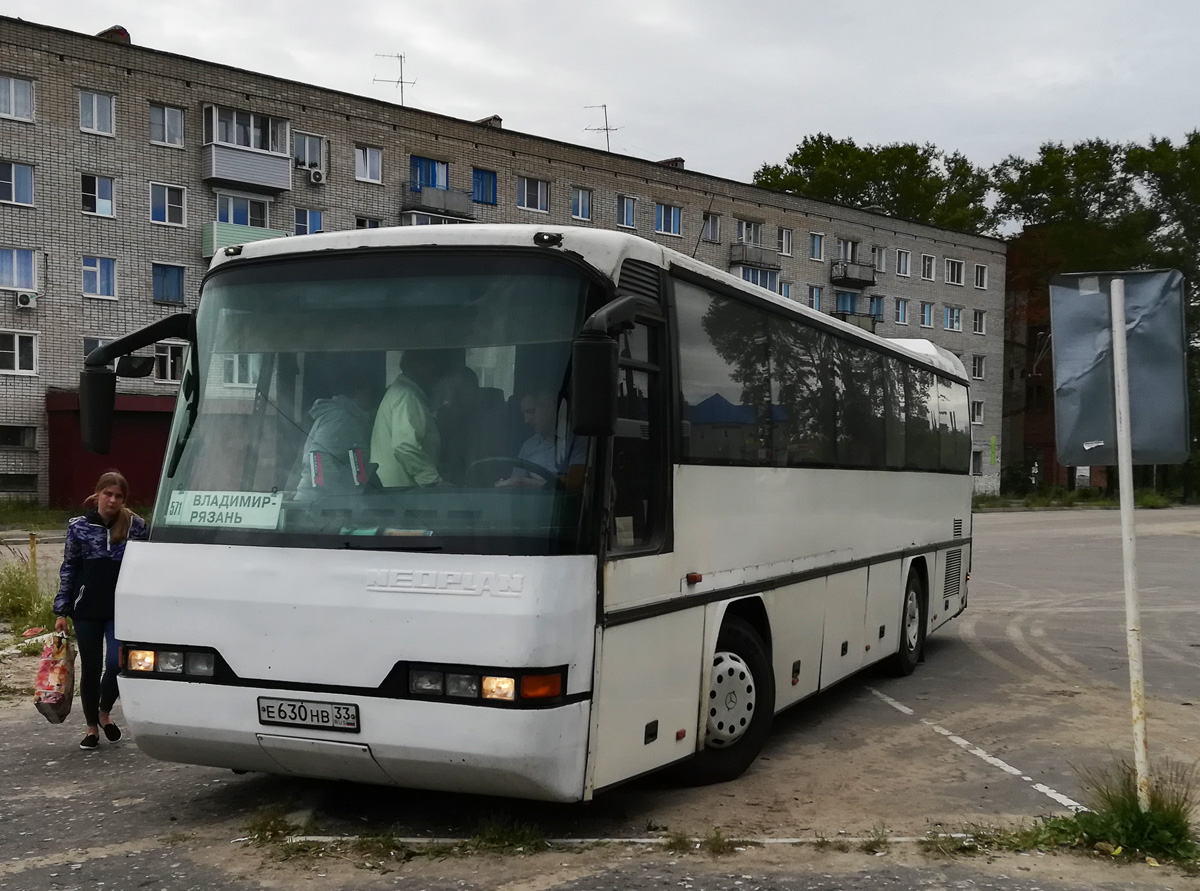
column 140, row 660
column 170, row 661
column 499, row 688
column 428, row 683
column 463, row 685
column 200, row 664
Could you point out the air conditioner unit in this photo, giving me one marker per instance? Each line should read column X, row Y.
column 316, row 177
column 26, row 301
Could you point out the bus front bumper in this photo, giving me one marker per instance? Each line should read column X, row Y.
column 521, row 753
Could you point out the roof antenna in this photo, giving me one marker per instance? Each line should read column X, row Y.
column 399, row 81
column 607, row 129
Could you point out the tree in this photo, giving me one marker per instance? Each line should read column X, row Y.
column 915, row 182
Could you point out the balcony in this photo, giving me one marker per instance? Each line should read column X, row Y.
column 863, row 320
column 245, row 166
column 450, row 202
column 742, row 254
column 852, row 275
column 222, row 235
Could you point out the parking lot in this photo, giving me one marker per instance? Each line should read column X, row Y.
column 1028, row 687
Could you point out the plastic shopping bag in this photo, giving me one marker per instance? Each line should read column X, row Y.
column 54, row 689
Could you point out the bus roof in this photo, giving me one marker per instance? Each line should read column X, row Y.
column 604, row 250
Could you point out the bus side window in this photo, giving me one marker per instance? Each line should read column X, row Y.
column 639, row 447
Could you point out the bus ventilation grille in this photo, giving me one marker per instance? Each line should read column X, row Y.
column 958, row 528
column 641, row 278
column 953, row 573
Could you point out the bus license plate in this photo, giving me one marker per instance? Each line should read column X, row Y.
column 308, row 713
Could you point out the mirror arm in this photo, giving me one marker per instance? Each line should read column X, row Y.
column 177, row 325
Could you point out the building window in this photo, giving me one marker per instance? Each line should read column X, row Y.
column 166, row 124
column 425, row 173
column 845, row 301
column 241, row 211
column 483, row 186
column 16, row 436
column 668, row 219
column 16, row 182
column 16, row 269
column 927, row 267
column 16, row 98
column 977, row 367
column 980, row 276
column 246, row 129
column 168, row 283
column 902, row 260
column 96, row 112
column 533, row 194
column 979, row 322
column 977, row 463
column 847, row 250
column 19, row 482
column 100, row 277
column 876, row 308
column 626, row 211
column 749, row 232
column 954, row 272
column 18, row 352
column 168, row 361
column 368, row 164
column 308, row 221
column 952, row 318
column 97, row 194
column 167, row 204
column 764, row 278
column 901, row 311
column 711, row 230
column 581, row 203
column 879, row 259
column 783, row 241
column 976, row 411
column 308, row 151
column 926, row 314
column 785, row 290
column 367, row 223
column 814, row 297
column 241, row 369
column 93, row 343
column 816, row 246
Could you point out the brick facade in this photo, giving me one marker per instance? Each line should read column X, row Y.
column 61, row 63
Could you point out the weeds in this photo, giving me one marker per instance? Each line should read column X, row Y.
column 876, row 842
column 25, row 514
column 505, row 835
column 679, row 843
column 23, row 604
column 717, row 845
column 270, row 825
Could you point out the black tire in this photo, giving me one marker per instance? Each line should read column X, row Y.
column 740, row 703
column 913, row 619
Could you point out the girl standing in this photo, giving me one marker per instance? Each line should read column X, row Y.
column 88, row 580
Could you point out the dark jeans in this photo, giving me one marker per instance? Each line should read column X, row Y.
column 97, row 649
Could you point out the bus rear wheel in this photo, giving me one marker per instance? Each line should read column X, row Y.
column 740, row 704
column 912, row 628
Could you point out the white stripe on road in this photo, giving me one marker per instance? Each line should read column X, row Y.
column 981, row 754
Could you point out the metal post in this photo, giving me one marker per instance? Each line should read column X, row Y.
column 1133, row 621
column 33, row 573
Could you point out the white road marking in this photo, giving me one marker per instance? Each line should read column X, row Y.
column 981, row 754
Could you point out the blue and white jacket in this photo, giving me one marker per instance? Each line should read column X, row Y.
column 91, row 563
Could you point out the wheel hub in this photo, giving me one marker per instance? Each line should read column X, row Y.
column 731, row 700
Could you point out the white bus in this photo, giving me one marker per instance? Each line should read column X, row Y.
column 745, row 502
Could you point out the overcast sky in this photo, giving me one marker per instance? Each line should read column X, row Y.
column 726, row 85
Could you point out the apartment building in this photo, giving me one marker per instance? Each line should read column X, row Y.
column 124, row 169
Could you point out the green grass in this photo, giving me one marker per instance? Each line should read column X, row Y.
column 876, row 842
column 505, row 835
column 679, row 843
column 23, row 602
column 270, row 825
column 1114, row 824
column 19, row 514
column 716, row 844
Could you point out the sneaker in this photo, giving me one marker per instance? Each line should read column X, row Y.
column 111, row 732
column 89, row 742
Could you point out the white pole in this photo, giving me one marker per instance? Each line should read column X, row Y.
column 1133, row 620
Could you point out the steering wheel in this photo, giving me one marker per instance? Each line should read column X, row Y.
column 504, row 461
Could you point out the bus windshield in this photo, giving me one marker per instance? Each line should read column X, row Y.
column 404, row 400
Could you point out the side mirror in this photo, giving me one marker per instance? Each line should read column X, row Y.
column 594, row 385
column 97, row 397
column 135, row 366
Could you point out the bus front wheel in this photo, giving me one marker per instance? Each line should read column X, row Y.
column 912, row 628
column 740, row 704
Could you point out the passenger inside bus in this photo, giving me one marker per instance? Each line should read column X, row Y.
column 405, row 440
